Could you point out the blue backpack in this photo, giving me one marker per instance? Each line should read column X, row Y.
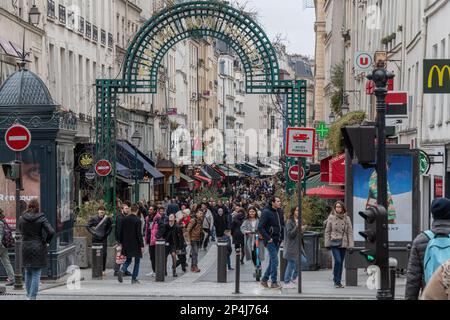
column 437, row 252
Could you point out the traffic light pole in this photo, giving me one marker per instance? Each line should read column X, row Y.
column 380, row 76
column 18, row 283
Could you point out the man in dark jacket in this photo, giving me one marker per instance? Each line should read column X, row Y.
column 415, row 282
column 271, row 227
column 221, row 222
column 172, row 208
column 172, row 233
column 132, row 243
column 100, row 227
column 124, row 211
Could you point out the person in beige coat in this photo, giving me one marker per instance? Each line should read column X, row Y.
column 338, row 238
column 439, row 286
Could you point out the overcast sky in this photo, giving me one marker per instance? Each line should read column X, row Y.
column 288, row 18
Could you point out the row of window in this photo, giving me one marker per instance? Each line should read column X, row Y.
column 84, row 27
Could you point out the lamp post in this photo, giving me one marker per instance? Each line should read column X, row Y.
column 345, row 107
column 381, row 76
column 332, row 117
column 136, row 140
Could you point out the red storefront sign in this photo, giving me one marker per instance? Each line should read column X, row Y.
column 438, row 187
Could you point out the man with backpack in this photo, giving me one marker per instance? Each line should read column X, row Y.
column 430, row 250
column 6, row 242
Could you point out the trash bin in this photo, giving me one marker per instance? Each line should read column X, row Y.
column 97, row 261
column 312, row 250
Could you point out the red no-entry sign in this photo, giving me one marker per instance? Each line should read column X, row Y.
column 294, row 173
column 18, row 138
column 103, row 168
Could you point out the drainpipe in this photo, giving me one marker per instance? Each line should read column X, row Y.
column 424, row 36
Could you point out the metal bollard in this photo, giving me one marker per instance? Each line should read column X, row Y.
column 283, row 263
column 238, row 270
column 160, row 257
column 97, row 261
column 222, row 261
column 393, row 264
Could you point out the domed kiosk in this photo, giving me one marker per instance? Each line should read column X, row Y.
column 47, row 165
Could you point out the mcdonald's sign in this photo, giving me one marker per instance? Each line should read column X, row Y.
column 436, row 76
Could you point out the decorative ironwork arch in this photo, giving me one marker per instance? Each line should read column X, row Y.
column 201, row 19
column 142, row 61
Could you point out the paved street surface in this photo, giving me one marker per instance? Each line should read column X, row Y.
column 316, row 285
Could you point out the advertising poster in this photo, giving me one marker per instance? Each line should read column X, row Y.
column 400, row 193
column 31, row 184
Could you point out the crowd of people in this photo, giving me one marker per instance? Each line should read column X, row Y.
column 251, row 212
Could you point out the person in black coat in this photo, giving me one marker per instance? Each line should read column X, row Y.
column 124, row 210
column 172, row 233
column 100, row 227
column 132, row 243
column 37, row 234
column 415, row 279
column 221, row 222
column 238, row 236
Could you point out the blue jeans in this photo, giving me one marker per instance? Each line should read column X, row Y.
column 339, row 256
column 32, row 279
column 292, row 269
column 229, row 261
column 127, row 263
column 272, row 269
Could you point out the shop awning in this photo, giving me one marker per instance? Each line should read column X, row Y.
column 203, row 179
column 146, row 162
column 248, row 171
column 337, row 171
column 217, row 169
column 325, row 192
column 213, row 173
column 9, row 48
column 228, row 171
column 186, row 178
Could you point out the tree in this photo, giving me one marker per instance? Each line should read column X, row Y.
column 337, row 82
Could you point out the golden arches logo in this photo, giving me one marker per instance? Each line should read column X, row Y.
column 440, row 72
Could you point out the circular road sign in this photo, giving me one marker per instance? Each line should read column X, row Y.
column 293, row 173
column 103, row 168
column 18, row 138
column 424, row 162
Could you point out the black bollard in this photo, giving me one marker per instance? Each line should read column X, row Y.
column 160, row 257
column 222, row 261
column 283, row 263
column 97, row 261
column 238, row 270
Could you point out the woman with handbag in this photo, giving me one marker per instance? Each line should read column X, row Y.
column 339, row 238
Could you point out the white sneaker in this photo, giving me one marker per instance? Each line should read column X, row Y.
column 290, row 285
column 151, row 274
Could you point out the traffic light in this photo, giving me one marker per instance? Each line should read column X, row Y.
column 376, row 235
column 11, row 170
column 360, row 141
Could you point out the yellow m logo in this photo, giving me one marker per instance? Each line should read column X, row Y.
column 440, row 72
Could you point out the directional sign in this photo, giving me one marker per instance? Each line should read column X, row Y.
column 363, row 61
column 103, row 168
column 18, row 138
column 293, row 173
column 300, row 142
column 323, row 130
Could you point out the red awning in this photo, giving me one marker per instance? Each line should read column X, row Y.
column 204, row 179
column 217, row 169
column 337, row 171
column 326, row 193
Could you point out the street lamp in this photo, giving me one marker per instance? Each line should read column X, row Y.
column 34, row 15
column 136, row 140
column 332, row 117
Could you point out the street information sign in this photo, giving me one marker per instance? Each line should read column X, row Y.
column 103, row 168
column 18, row 138
column 300, row 142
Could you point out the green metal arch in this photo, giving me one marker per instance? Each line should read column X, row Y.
column 207, row 18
